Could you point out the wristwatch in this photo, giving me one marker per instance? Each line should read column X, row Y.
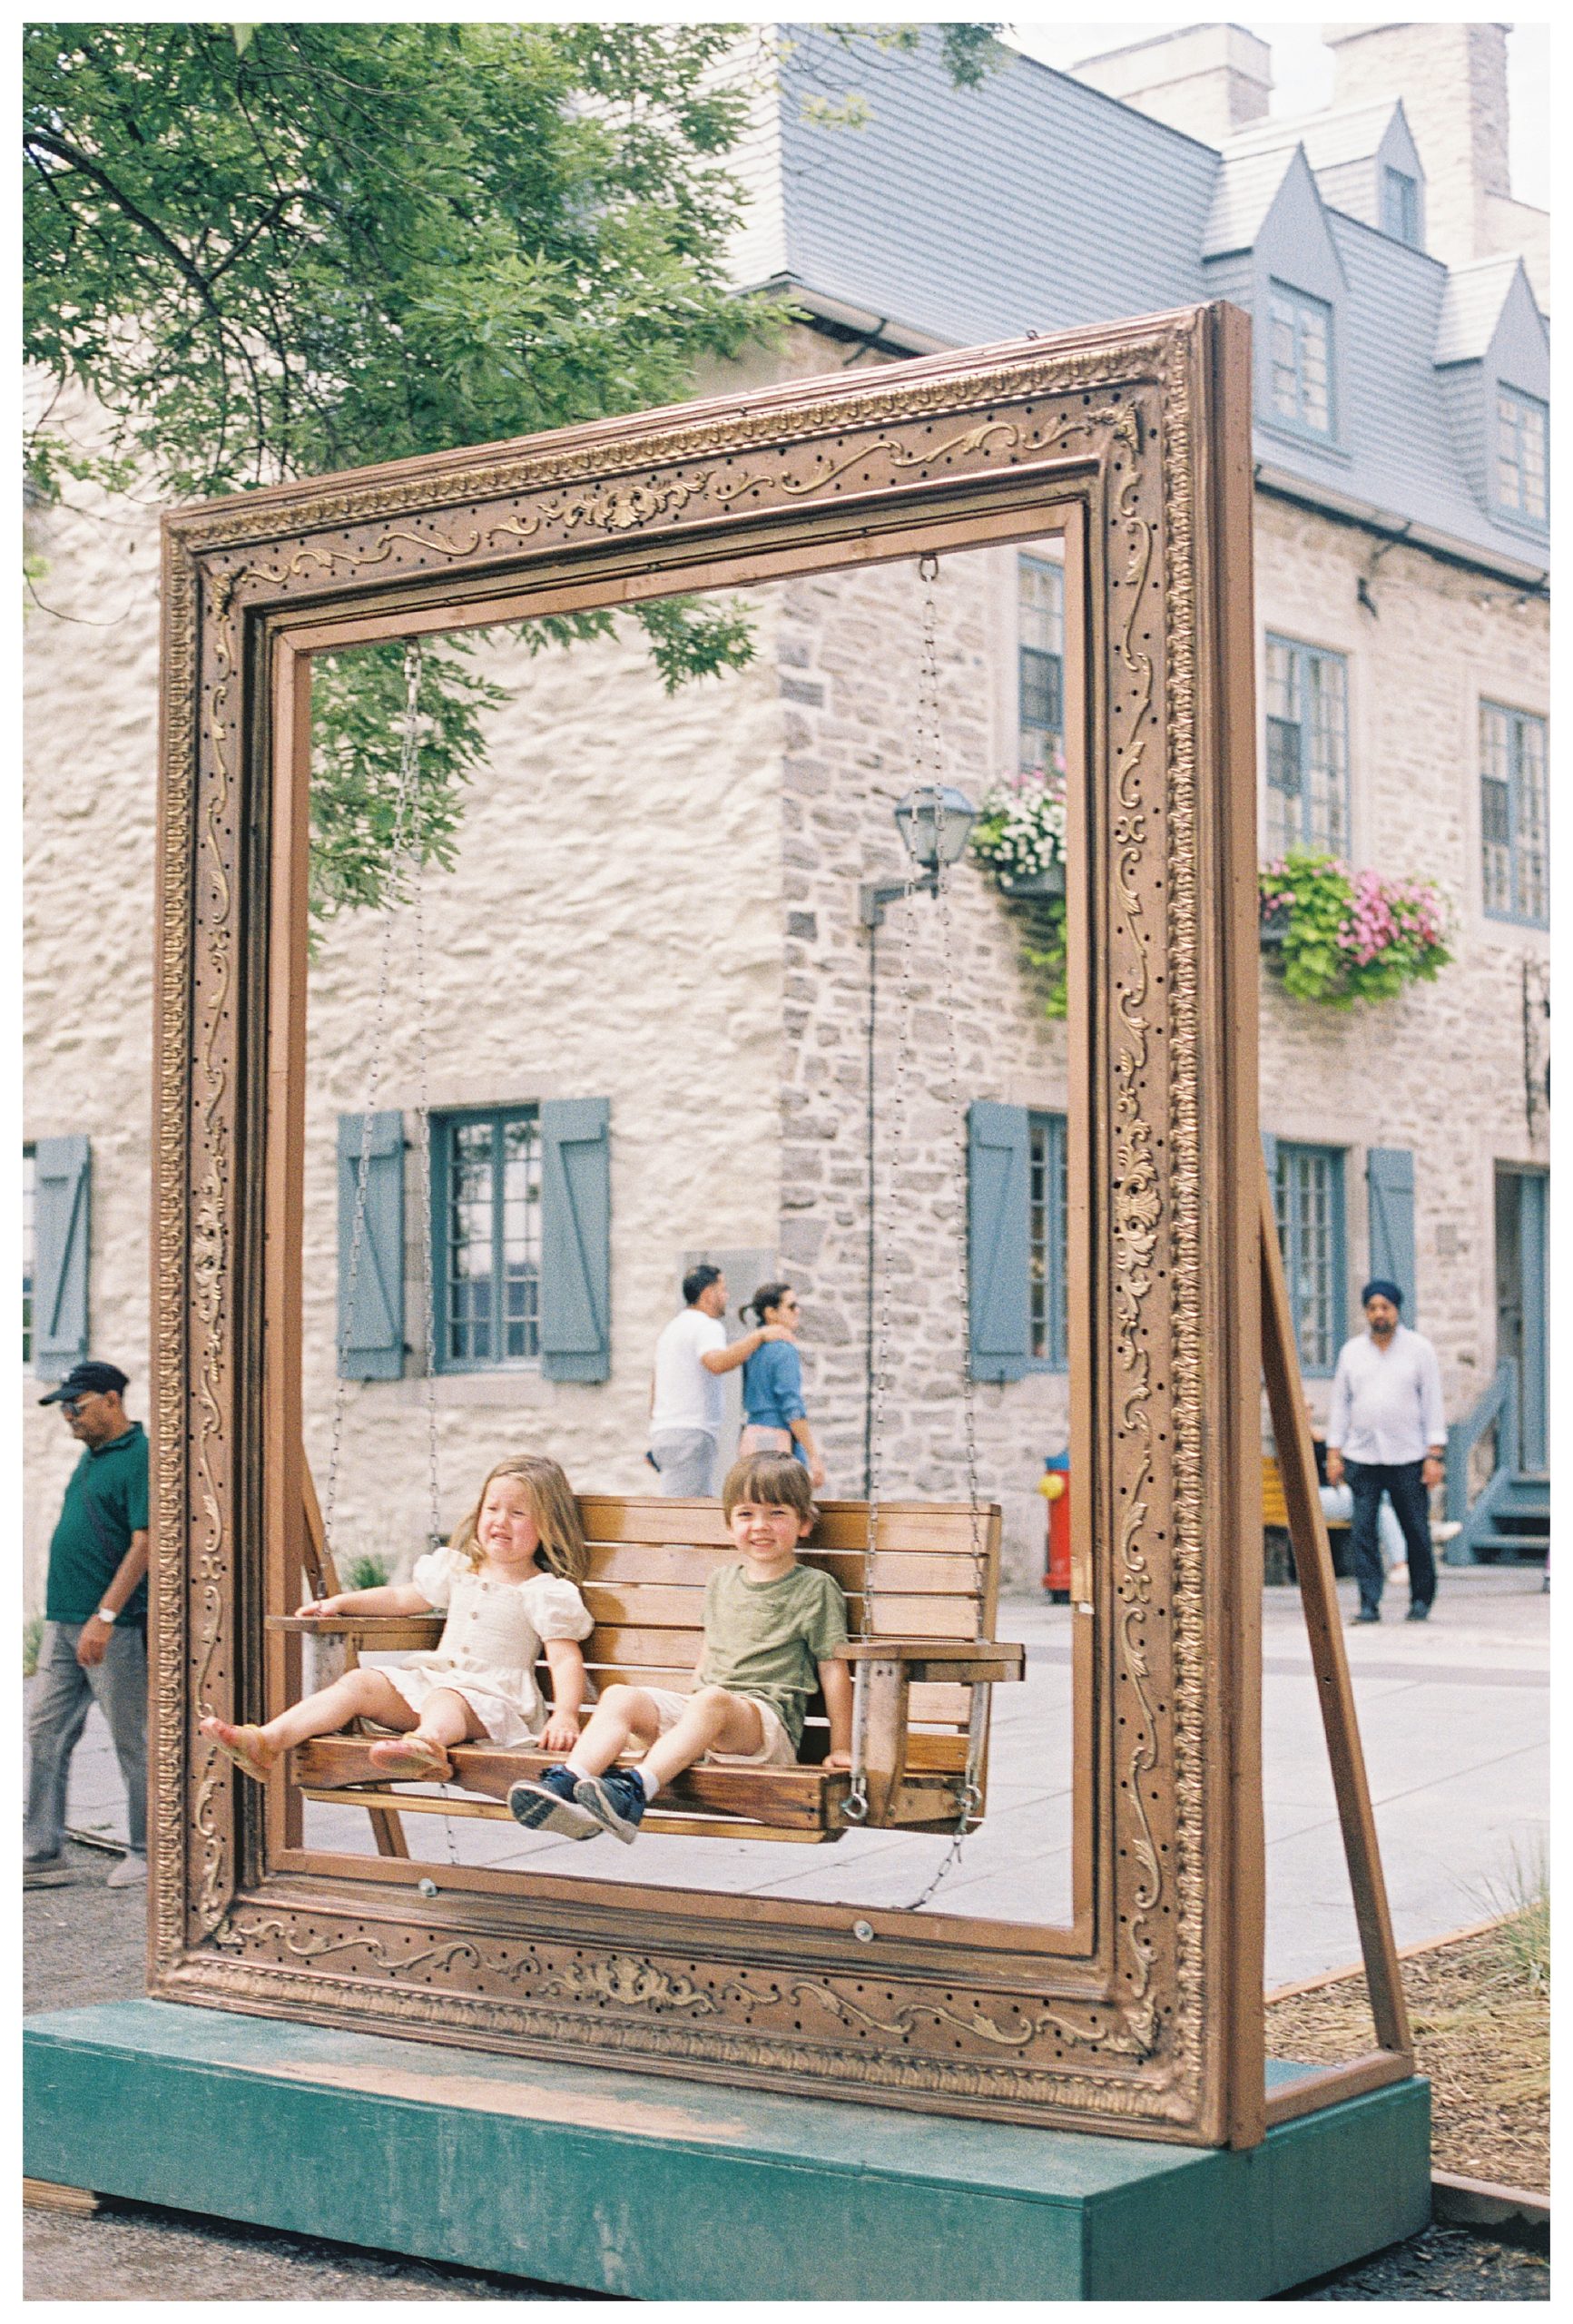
column 107, row 1614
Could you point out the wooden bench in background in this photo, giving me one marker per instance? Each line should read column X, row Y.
column 922, row 1651
column 1279, row 1559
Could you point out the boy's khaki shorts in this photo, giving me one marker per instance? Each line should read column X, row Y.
column 777, row 1750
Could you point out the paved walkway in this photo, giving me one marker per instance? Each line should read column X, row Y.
column 1454, row 1720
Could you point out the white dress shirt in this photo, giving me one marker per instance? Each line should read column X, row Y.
column 1386, row 1403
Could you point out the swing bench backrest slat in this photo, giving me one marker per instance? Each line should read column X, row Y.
column 650, row 1560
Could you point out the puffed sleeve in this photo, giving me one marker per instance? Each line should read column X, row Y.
column 434, row 1575
column 557, row 1609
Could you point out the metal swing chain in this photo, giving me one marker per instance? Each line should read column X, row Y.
column 406, row 839
column 972, row 1795
column 857, row 1803
column 402, row 813
column 412, row 668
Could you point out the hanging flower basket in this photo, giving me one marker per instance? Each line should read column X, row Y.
column 1035, row 886
column 1336, row 936
column 1019, row 834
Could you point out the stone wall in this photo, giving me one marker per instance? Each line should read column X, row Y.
column 1440, row 1069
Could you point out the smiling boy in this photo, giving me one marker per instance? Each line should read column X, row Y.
column 771, row 1630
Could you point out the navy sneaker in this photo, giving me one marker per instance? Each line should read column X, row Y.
column 1366, row 1614
column 616, row 1800
column 549, row 1806
column 1419, row 1611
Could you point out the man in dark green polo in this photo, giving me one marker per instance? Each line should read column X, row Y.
column 95, row 1623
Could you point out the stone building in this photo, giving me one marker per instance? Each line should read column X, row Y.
column 648, row 1031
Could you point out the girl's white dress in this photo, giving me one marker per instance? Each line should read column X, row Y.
column 491, row 1642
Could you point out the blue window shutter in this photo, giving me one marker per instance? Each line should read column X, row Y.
column 575, row 1313
column 62, row 1175
column 1270, row 1156
column 372, row 1323
column 998, row 1241
column 1389, row 1189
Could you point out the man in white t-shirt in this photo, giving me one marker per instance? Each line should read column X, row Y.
column 686, row 1402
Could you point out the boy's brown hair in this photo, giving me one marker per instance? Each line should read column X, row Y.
column 557, row 1514
column 774, row 1479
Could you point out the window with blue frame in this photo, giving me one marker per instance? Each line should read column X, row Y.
column 1300, row 360
column 1040, row 661
column 1513, row 838
column 1401, row 207
column 1522, row 447
column 1308, row 1197
column 1046, row 1238
column 487, row 1220
column 1307, row 748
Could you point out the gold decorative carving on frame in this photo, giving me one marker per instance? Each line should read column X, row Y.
column 208, row 1262
column 1188, row 1434
column 647, row 2035
column 484, row 478
column 167, row 1704
column 1126, row 404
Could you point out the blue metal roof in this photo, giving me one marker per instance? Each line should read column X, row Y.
column 960, row 216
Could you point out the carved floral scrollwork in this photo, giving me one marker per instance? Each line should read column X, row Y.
column 1118, row 415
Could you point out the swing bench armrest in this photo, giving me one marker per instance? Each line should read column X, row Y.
column 952, row 1661
column 370, row 1633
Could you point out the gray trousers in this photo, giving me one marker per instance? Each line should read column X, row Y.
column 687, row 1462
column 63, row 1695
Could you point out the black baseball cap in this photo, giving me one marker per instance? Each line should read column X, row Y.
column 87, row 1379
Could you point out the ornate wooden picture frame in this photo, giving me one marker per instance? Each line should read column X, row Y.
column 1146, row 2017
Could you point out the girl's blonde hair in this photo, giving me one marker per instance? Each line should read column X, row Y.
column 556, row 1511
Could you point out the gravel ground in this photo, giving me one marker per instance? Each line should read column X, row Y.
column 1483, row 2033
column 85, row 1944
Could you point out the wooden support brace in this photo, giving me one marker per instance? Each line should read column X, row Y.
column 1319, row 1599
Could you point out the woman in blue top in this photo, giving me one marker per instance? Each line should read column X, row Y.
column 773, row 1386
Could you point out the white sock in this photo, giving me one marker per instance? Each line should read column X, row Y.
column 579, row 1774
column 647, row 1779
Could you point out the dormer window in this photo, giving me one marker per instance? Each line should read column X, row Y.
column 1301, row 360
column 1522, row 447
column 1401, row 207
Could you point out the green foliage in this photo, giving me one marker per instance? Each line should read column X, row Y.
column 968, row 52
column 368, row 1572
column 1043, row 949
column 270, row 250
column 32, row 1640
column 1342, row 936
column 1524, row 1896
column 324, row 244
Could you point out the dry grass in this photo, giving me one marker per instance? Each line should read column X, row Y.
column 1480, row 2011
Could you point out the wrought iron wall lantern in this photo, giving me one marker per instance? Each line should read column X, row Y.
column 935, row 820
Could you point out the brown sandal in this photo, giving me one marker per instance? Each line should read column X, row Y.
column 411, row 1757
column 241, row 1743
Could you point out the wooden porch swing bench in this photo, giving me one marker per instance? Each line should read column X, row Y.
column 923, row 1655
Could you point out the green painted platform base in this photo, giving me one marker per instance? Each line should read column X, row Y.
column 660, row 2190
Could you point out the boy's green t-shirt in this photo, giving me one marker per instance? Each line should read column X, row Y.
column 765, row 1639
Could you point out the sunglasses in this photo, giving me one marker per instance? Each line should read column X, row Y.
column 72, row 1405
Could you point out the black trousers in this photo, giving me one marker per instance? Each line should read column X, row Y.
column 1400, row 1481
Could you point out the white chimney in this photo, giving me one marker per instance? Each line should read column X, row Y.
column 1453, row 80
column 1208, row 80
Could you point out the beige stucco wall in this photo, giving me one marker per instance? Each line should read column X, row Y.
column 612, row 930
